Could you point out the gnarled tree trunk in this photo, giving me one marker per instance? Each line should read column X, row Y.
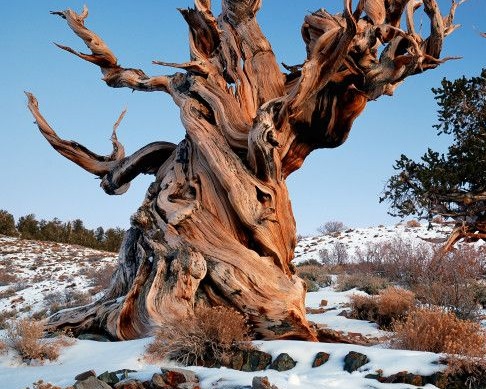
column 216, row 225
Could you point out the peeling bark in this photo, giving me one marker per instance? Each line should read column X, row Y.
column 216, row 225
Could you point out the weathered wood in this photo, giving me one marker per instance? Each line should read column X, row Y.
column 216, row 225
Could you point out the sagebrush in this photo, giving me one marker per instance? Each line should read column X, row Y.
column 26, row 337
column 439, row 331
column 390, row 305
column 208, row 338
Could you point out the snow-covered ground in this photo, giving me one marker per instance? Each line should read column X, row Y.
column 31, row 270
column 86, row 355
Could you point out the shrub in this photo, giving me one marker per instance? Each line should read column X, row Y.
column 5, row 316
column 209, row 338
column 7, row 275
column 452, row 280
column 413, row 223
column 314, row 276
column 25, row 336
column 3, row 347
column 69, row 299
column 44, row 385
column 438, row 331
column 9, row 292
column 7, row 224
column 390, row 305
column 331, row 227
column 365, row 282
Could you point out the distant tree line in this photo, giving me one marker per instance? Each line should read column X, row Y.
column 73, row 232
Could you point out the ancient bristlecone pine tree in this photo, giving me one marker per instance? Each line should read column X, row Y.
column 216, row 225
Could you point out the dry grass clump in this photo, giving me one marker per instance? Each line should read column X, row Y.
column 25, row 336
column 69, row 299
column 368, row 283
column 452, row 280
column 449, row 279
column 44, row 385
column 209, row 338
column 438, row 331
column 413, row 223
column 3, row 347
column 392, row 304
column 315, row 276
column 5, row 316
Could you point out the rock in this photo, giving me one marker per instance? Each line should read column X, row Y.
column 314, row 311
column 85, row 375
column 283, row 362
column 91, row 383
column 320, row 359
column 124, row 373
column 158, row 382
column 404, row 377
column 323, row 303
column 250, row 360
column 175, row 374
column 354, row 360
column 109, row 377
column 175, row 378
column 261, row 383
column 130, row 384
column 438, row 379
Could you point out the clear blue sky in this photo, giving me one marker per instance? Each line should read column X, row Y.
column 340, row 184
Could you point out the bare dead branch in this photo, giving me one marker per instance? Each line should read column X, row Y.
column 101, row 55
column 116, row 170
column 80, row 155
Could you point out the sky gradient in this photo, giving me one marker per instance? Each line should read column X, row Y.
column 340, row 184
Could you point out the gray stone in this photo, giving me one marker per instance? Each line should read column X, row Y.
column 109, row 377
column 91, row 383
column 283, row 362
column 85, row 375
column 175, row 374
column 250, row 360
column 354, row 360
column 129, row 384
column 261, row 383
column 320, row 359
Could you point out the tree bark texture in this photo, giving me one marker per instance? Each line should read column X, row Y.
column 216, row 225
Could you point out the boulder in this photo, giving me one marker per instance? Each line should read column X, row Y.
column 250, row 360
column 354, row 360
column 109, row 377
column 175, row 375
column 320, row 359
column 175, row 378
column 130, row 384
column 283, row 362
column 91, row 383
column 85, row 375
column 123, row 373
column 262, row 383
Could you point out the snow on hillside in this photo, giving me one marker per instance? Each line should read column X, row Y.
column 31, row 271
column 358, row 239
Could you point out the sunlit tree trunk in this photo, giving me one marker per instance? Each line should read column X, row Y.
column 216, row 226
